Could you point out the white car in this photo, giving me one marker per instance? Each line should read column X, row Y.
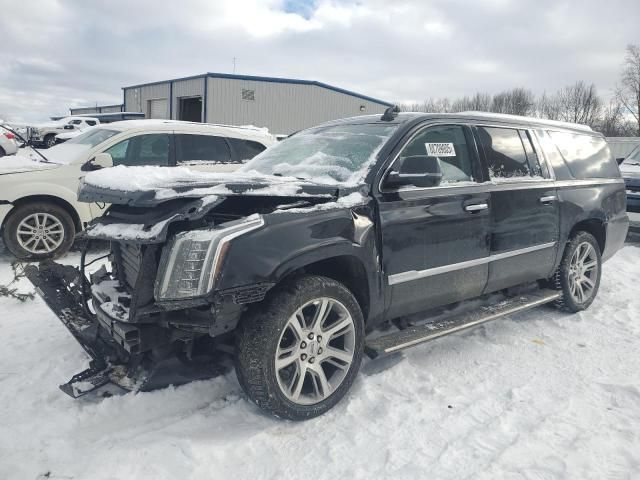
column 39, row 211
column 68, row 135
column 8, row 144
column 44, row 134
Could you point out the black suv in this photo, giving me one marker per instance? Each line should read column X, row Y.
column 356, row 225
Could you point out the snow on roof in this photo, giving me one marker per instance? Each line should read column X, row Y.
column 521, row 118
column 195, row 126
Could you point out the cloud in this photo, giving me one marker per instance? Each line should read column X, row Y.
column 61, row 53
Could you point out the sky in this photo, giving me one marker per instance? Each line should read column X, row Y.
column 56, row 54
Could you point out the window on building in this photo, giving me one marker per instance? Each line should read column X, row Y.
column 504, row 151
column 249, row 95
column 201, row 148
column 245, row 149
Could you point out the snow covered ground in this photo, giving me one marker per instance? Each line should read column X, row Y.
column 540, row 395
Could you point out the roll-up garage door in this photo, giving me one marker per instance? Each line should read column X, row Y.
column 158, row 108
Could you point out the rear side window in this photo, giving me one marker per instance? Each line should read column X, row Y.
column 245, row 149
column 505, row 152
column 586, row 156
column 449, row 144
column 91, row 123
column 201, row 148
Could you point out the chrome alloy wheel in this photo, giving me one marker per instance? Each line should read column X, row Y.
column 315, row 351
column 583, row 272
column 40, row 233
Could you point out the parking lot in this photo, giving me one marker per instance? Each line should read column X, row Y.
column 537, row 395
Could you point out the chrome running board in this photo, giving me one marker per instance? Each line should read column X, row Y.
column 416, row 335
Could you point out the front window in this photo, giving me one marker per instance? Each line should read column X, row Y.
column 93, row 137
column 152, row 149
column 337, row 153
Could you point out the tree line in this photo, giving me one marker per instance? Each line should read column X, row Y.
column 577, row 103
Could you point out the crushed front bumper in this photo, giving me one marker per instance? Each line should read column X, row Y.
column 61, row 287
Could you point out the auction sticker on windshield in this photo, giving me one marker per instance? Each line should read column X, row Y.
column 440, row 149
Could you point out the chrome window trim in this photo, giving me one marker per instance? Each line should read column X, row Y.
column 411, row 275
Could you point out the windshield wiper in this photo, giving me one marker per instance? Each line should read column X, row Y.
column 25, row 142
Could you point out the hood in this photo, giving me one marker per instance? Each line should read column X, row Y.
column 150, row 186
column 21, row 163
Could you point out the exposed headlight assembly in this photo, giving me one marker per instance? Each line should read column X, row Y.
column 191, row 263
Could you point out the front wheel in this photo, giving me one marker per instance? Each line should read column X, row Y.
column 578, row 275
column 50, row 140
column 299, row 352
column 38, row 230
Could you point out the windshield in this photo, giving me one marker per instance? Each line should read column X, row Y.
column 93, row 137
column 338, row 153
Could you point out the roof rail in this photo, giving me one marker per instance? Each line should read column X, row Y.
column 543, row 121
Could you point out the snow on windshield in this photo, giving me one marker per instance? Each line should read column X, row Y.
column 334, row 154
column 93, row 137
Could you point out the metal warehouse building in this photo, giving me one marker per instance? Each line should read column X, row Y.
column 96, row 109
column 283, row 105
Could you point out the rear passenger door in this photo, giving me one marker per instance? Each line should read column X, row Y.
column 140, row 150
column 204, row 152
column 524, row 207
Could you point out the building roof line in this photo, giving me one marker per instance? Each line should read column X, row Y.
column 254, row 78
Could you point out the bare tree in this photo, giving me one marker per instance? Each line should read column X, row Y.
column 517, row 101
column 479, row 102
column 613, row 121
column 577, row 103
column 628, row 91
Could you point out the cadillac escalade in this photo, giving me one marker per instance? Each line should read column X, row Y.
column 293, row 265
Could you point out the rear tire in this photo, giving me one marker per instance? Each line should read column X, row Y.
column 578, row 275
column 284, row 364
column 50, row 140
column 38, row 230
column 2, row 152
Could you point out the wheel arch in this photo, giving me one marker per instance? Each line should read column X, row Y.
column 594, row 226
column 344, row 268
column 75, row 216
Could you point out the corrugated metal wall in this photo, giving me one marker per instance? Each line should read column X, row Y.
column 137, row 99
column 186, row 88
column 98, row 109
column 83, row 110
column 282, row 107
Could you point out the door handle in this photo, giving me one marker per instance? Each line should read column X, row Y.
column 476, row 207
column 548, row 199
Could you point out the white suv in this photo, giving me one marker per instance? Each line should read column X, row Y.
column 8, row 144
column 39, row 211
column 44, row 134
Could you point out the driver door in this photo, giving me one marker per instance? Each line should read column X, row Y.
column 435, row 240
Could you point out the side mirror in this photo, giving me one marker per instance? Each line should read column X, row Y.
column 69, row 127
column 101, row 160
column 417, row 171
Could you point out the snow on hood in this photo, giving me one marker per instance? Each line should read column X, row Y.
column 27, row 160
column 165, row 183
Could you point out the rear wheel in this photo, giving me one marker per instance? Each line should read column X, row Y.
column 2, row 152
column 298, row 354
column 578, row 275
column 50, row 140
column 38, row 230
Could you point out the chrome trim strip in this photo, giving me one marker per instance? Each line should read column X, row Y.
column 417, row 274
column 476, row 207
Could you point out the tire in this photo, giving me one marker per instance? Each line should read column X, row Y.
column 267, row 333
column 2, row 152
column 50, row 140
column 27, row 217
column 563, row 279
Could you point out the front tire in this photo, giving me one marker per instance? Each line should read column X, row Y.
column 578, row 275
column 38, row 230
column 298, row 353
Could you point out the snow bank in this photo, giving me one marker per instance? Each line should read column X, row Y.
column 539, row 395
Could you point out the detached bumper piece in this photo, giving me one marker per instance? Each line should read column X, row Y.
column 112, row 345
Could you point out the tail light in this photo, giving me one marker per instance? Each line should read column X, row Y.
column 10, row 135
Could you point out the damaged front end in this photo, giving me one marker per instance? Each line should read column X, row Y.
column 151, row 315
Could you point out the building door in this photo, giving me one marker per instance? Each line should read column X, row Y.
column 190, row 109
column 157, row 108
